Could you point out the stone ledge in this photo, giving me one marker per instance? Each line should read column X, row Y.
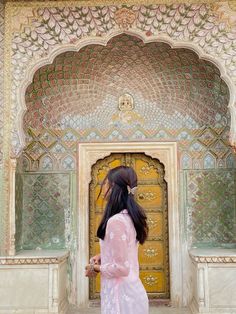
column 32, row 257
column 213, row 255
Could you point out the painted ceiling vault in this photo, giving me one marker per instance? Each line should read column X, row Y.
column 171, row 88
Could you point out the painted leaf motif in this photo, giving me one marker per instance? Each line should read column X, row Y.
column 202, row 33
column 191, row 14
column 197, row 20
column 57, row 29
column 85, row 10
column 80, row 22
column 62, row 23
column 159, row 16
column 79, row 32
column 45, row 45
column 185, row 21
column 71, row 19
column 143, row 10
column 182, row 10
column 168, row 20
column 162, row 8
column 180, row 29
column 152, row 13
column 214, row 31
column 46, row 36
column 66, row 12
column 208, row 25
column 169, row 30
column 75, row 26
column 203, row 11
column 177, row 17
column 51, row 22
column 191, row 26
column 46, row 15
column 173, row 24
column 92, row 24
column 223, row 40
column 141, row 18
column 41, row 30
column 155, row 23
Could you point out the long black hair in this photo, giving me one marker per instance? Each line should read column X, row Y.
column 119, row 198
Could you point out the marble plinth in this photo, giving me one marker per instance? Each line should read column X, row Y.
column 34, row 282
column 214, row 281
column 152, row 310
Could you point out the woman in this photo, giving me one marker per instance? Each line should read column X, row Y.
column 123, row 226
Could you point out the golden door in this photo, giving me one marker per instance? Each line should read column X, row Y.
column 152, row 196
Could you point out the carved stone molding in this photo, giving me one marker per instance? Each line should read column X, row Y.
column 31, row 260
column 213, row 255
column 214, row 259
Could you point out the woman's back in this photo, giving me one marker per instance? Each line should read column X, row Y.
column 121, row 289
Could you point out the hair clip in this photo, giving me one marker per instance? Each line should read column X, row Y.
column 132, row 191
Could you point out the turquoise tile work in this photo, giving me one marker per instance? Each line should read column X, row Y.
column 210, row 201
column 46, row 203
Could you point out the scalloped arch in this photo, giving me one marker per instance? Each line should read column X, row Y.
column 33, row 67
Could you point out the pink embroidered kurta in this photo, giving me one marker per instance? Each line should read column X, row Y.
column 122, row 291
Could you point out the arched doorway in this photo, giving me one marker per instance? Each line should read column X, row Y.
column 152, row 196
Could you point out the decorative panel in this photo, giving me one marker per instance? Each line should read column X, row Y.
column 45, row 206
column 211, row 201
column 18, row 210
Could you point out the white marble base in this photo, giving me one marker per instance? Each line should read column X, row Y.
column 34, row 282
column 214, row 281
column 152, row 310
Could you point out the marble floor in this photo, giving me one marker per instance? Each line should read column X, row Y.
column 153, row 310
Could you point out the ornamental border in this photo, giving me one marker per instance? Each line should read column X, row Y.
column 52, row 3
column 213, row 259
column 32, row 260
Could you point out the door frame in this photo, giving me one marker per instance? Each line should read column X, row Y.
column 166, row 153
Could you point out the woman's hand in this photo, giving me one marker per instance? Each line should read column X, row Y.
column 91, row 270
column 96, row 259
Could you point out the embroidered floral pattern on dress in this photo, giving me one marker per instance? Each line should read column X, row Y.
column 123, row 237
column 127, row 263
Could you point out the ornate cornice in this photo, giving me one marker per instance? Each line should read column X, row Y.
column 213, row 259
column 32, row 260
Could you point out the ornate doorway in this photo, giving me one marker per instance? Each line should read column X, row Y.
column 152, row 195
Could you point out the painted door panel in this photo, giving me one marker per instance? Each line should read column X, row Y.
column 152, row 196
